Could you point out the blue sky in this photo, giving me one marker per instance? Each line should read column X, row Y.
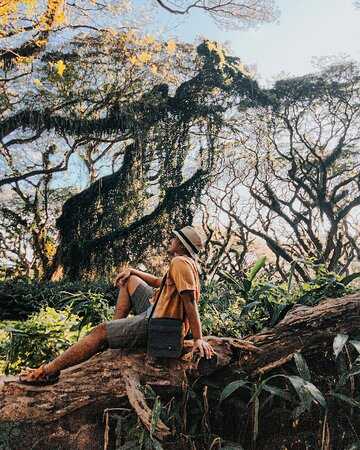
column 305, row 29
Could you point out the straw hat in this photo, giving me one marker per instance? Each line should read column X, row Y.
column 191, row 240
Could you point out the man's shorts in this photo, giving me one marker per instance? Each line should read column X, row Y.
column 131, row 332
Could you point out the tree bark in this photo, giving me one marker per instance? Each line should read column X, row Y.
column 69, row 414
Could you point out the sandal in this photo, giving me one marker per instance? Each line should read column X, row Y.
column 43, row 380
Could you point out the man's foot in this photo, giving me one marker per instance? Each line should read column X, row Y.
column 38, row 377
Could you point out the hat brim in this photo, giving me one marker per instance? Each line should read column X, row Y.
column 186, row 245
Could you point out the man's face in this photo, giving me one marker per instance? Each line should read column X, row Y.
column 174, row 246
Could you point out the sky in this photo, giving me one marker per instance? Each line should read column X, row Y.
column 306, row 29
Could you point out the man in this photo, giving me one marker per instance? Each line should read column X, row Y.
column 178, row 299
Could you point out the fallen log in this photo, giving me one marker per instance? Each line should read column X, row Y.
column 69, row 414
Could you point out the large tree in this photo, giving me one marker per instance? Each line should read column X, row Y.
column 135, row 209
column 298, row 163
column 146, row 114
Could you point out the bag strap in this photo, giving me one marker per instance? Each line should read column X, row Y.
column 158, row 296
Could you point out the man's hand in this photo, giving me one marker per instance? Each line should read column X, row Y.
column 122, row 277
column 203, row 348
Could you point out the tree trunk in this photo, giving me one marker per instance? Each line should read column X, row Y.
column 69, row 414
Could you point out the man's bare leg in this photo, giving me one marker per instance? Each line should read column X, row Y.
column 77, row 353
column 80, row 351
column 90, row 344
column 123, row 304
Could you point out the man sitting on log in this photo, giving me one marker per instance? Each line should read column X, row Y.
column 178, row 299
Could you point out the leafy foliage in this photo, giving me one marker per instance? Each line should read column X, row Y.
column 239, row 305
column 39, row 339
column 315, row 396
column 56, row 314
column 19, row 299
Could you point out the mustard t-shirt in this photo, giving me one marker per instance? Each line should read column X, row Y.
column 182, row 276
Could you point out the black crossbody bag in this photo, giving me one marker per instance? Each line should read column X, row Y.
column 164, row 334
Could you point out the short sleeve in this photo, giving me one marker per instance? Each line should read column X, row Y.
column 182, row 274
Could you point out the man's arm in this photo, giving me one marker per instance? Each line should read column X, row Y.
column 151, row 280
column 192, row 314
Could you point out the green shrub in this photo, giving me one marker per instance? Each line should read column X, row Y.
column 19, row 299
column 305, row 394
column 220, row 309
column 325, row 284
column 38, row 339
column 238, row 305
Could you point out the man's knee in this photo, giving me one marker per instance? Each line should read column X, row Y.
column 133, row 282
